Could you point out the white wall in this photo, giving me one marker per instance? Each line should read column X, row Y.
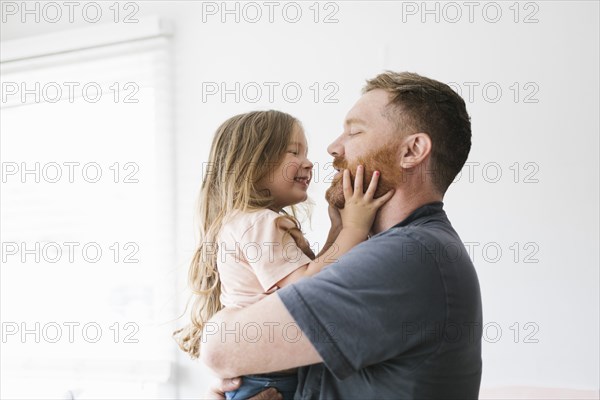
column 551, row 211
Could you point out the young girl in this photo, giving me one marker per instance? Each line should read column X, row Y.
column 249, row 246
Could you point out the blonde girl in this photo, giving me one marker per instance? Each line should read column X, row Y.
column 250, row 239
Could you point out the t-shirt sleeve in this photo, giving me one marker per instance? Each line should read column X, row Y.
column 375, row 303
column 269, row 250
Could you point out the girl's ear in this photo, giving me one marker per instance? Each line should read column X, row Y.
column 414, row 150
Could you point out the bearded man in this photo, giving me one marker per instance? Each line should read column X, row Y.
column 399, row 316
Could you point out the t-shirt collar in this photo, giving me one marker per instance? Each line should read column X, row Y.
column 424, row 211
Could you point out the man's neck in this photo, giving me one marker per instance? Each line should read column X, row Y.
column 399, row 207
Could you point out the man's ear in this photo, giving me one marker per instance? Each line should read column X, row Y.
column 414, row 150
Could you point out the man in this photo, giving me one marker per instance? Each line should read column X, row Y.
column 398, row 316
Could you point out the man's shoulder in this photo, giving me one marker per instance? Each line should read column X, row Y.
column 393, row 252
column 434, row 244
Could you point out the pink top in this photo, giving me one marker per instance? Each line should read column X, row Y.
column 253, row 255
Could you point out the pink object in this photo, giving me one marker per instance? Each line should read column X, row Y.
column 253, row 255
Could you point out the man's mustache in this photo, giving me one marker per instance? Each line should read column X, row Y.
column 340, row 163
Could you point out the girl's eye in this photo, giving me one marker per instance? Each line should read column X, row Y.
column 293, row 152
column 354, row 133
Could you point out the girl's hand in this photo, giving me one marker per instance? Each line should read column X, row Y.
column 360, row 208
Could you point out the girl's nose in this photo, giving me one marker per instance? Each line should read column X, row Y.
column 308, row 164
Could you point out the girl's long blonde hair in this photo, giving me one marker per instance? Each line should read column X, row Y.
column 244, row 150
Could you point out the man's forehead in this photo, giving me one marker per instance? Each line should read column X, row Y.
column 359, row 114
column 369, row 106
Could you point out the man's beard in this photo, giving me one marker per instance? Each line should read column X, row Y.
column 382, row 160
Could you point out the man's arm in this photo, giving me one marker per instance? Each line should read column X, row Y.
column 260, row 338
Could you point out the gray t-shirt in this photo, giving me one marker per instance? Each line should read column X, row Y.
column 397, row 317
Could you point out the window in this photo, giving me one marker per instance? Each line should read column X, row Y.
column 87, row 214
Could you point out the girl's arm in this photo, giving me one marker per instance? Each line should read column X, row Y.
column 357, row 218
column 334, row 230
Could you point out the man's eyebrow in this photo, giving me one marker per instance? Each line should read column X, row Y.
column 351, row 121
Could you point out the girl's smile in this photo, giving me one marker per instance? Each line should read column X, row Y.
column 303, row 181
column 288, row 182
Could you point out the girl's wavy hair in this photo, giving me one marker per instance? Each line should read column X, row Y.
column 244, row 150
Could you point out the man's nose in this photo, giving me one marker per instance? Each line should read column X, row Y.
column 336, row 149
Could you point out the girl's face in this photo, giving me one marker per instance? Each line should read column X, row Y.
column 288, row 182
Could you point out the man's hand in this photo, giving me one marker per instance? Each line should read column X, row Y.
column 217, row 391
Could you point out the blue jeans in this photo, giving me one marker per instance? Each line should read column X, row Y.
column 253, row 384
